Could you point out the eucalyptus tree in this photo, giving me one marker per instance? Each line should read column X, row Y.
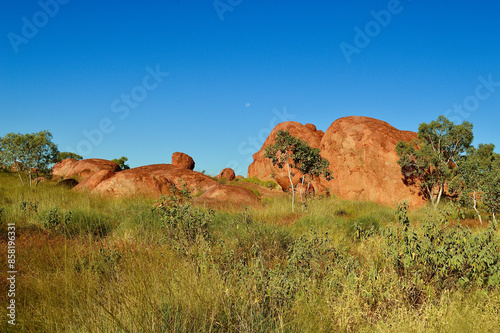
column 430, row 160
column 29, row 154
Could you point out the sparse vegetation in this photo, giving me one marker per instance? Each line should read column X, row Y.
column 122, row 162
column 98, row 264
column 64, row 155
column 272, row 185
column 295, row 153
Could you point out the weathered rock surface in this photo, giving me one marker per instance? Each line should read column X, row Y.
column 61, row 169
column 183, row 161
column 362, row 157
column 226, row 173
column 81, row 170
column 262, row 167
column 229, row 194
column 363, row 161
column 153, row 180
column 90, row 183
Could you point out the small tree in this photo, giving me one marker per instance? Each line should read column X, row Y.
column 65, row 155
column 310, row 163
column 29, row 153
column 295, row 153
column 491, row 184
column 121, row 162
column 430, row 160
column 469, row 179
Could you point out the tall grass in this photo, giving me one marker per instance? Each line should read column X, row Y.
column 114, row 266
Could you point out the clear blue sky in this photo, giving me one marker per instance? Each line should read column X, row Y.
column 85, row 66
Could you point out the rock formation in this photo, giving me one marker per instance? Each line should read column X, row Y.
column 362, row 157
column 363, row 161
column 229, row 194
column 183, row 161
column 153, row 180
column 226, row 173
column 81, row 170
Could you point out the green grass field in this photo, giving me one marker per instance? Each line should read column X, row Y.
column 92, row 264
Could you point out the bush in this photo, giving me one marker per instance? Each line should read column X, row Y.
column 184, row 224
column 75, row 223
column 104, row 262
column 29, row 207
column 265, row 183
column 363, row 227
column 55, row 220
column 446, row 256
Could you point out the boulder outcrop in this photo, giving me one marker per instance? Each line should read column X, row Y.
column 229, row 194
column 183, row 161
column 362, row 157
column 81, row 170
column 153, row 181
column 226, row 173
column 364, row 162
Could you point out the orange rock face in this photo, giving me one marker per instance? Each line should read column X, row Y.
column 363, row 161
column 362, row 157
column 229, row 194
column 263, row 168
column 81, row 170
column 153, row 181
column 226, row 173
column 183, row 161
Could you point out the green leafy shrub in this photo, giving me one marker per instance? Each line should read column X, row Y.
column 56, row 220
column 446, row 256
column 184, row 224
column 363, row 227
column 104, row 262
column 265, row 183
column 29, row 207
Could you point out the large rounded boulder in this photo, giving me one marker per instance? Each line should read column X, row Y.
column 153, row 181
column 183, row 161
column 226, row 173
column 231, row 194
column 364, row 162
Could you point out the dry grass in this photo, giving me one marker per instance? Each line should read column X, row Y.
column 263, row 270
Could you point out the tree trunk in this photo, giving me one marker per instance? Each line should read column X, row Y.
column 19, row 173
column 440, row 193
column 291, row 183
column 307, row 190
column 301, row 192
column 475, row 207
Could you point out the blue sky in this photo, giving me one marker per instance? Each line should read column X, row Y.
column 236, row 68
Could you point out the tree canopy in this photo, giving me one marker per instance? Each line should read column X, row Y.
column 122, row 162
column 295, row 153
column 430, row 160
column 65, row 155
column 30, row 154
